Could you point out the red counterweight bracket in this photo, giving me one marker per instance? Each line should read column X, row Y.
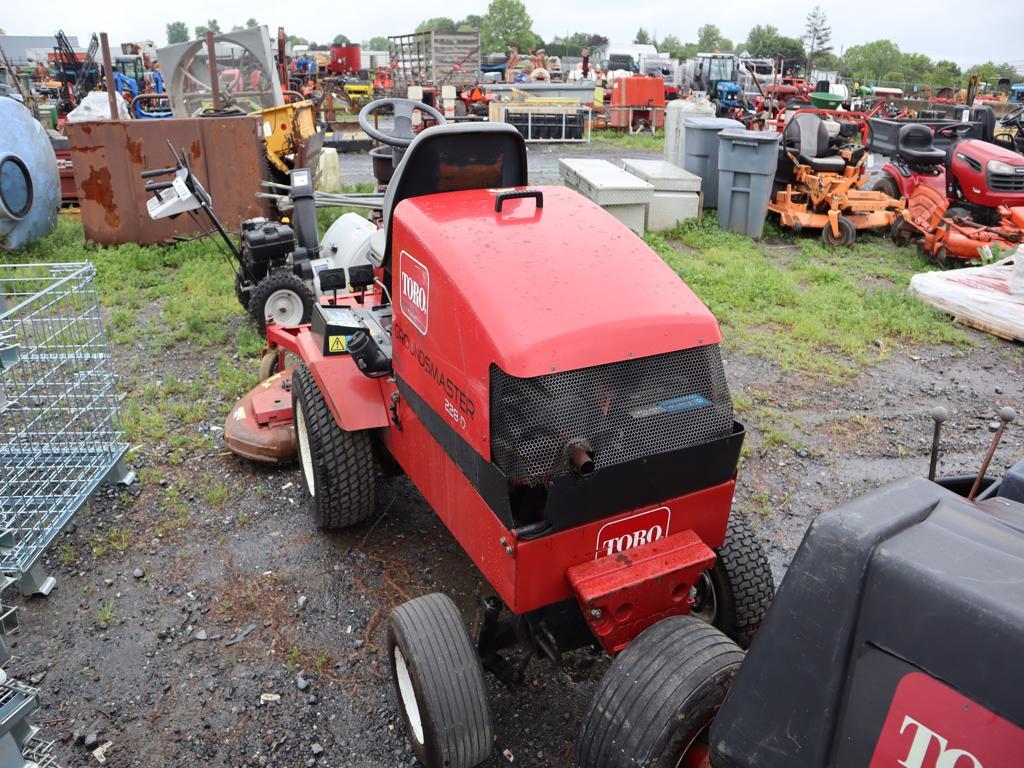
column 623, row 594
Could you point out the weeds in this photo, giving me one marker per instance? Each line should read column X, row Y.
column 815, row 310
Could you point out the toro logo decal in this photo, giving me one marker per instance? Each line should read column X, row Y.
column 633, row 531
column 930, row 725
column 414, row 292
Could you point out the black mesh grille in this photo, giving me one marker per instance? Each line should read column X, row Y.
column 624, row 410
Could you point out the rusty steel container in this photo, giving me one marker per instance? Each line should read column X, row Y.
column 226, row 153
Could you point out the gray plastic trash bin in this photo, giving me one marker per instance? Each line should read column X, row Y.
column 700, row 152
column 746, row 170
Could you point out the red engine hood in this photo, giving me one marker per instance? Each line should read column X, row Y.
column 556, row 288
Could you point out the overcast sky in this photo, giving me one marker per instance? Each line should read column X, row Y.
column 967, row 33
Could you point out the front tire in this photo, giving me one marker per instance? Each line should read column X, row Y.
column 847, row 233
column 439, row 684
column 284, row 298
column 337, row 466
column 654, row 706
column 734, row 594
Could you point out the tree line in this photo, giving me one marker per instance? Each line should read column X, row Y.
column 506, row 22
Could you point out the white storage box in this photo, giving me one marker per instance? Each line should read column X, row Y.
column 622, row 194
column 676, row 192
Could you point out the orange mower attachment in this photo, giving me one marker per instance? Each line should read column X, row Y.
column 825, row 192
column 952, row 240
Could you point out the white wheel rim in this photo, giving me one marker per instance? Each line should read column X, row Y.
column 285, row 306
column 409, row 703
column 305, row 457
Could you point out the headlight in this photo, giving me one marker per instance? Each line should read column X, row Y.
column 998, row 166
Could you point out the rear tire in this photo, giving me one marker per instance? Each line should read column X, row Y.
column 337, row 466
column 847, row 233
column 439, row 684
column 884, row 183
column 734, row 594
column 284, row 296
column 653, row 707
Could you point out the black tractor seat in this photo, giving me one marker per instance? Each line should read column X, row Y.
column 914, row 144
column 454, row 157
column 806, row 137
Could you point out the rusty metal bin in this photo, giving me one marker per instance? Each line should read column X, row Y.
column 227, row 155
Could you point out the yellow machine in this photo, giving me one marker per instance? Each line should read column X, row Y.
column 284, row 129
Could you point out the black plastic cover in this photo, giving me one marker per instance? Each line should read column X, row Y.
column 908, row 577
column 267, row 241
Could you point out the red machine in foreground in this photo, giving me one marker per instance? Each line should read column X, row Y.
column 583, row 452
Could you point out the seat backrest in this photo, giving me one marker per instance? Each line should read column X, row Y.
column 914, row 137
column 806, row 134
column 451, row 158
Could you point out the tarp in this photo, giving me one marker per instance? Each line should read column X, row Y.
column 990, row 298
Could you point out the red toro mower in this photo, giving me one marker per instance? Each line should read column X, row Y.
column 583, row 456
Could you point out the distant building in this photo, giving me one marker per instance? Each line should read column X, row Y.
column 23, row 49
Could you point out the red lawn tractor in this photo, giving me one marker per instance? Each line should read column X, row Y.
column 976, row 176
column 583, row 452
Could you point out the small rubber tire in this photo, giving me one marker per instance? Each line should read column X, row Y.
column 653, row 707
column 941, row 257
column 276, row 282
column 901, row 232
column 338, row 469
column 268, row 365
column 439, row 684
column 884, row 183
column 847, row 233
column 956, row 212
column 241, row 295
column 734, row 594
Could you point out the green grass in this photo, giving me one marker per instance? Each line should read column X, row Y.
column 628, row 140
column 812, row 309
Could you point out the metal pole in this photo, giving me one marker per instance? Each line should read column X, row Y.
column 108, row 73
column 211, row 54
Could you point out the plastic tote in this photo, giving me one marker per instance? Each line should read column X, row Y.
column 746, row 169
column 700, row 152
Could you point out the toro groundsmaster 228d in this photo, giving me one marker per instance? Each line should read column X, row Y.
column 557, row 395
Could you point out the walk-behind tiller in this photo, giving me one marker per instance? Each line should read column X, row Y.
column 823, row 186
column 583, row 452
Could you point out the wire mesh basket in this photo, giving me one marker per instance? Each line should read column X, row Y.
column 61, row 432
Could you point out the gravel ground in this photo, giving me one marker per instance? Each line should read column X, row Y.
column 242, row 635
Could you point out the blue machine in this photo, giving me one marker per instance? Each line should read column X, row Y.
column 729, row 95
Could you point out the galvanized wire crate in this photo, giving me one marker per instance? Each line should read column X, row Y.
column 61, row 432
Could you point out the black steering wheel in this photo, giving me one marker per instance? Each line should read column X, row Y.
column 960, row 130
column 402, row 135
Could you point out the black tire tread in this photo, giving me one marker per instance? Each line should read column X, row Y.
column 343, row 463
column 275, row 281
column 883, row 183
column 437, row 648
column 745, row 566
column 667, row 669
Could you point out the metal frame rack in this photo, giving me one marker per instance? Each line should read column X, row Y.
column 543, row 124
column 61, row 433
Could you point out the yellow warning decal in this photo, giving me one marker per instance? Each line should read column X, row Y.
column 336, row 343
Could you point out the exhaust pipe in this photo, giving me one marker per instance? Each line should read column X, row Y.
column 581, row 458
